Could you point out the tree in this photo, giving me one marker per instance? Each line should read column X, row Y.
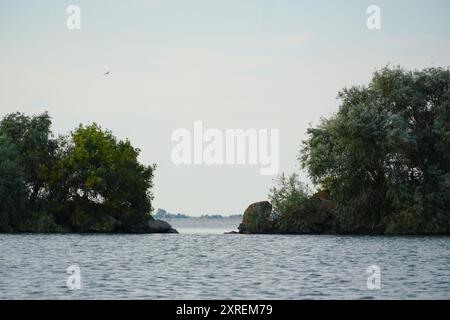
column 86, row 182
column 12, row 189
column 384, row 157
column 28, row 158
column 36, row 148
column 101, row 184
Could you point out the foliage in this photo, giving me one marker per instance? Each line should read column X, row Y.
column 86, row 182
column 12, row 187
column 36, row 148
column 294, row 206
column 102, row 176
column 384, row 157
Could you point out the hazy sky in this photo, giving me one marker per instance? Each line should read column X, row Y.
column 230, row 64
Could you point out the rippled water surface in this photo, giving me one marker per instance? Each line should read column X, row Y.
column 203, row 263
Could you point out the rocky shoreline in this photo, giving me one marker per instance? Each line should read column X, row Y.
column 152, row 226
column 260, row 218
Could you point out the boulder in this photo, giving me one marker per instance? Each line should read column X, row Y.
column 160, row 226
column 257, row 218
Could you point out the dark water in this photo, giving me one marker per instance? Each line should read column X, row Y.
column 202, row 263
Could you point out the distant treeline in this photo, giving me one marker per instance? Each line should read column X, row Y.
column 164, row 215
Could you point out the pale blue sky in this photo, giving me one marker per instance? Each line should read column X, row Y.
column 230, row 64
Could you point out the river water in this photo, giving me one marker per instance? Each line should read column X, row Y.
column 203, row 263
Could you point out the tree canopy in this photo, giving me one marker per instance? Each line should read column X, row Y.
column 381, row 163
column 384, row 157
column 88, row 181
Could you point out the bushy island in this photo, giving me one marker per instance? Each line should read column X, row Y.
column 87, row 181
column 381, row 163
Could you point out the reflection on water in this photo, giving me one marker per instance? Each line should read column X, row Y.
column 209, row 265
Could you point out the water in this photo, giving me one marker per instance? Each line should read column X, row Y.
column 205, row 226
column 203, row 263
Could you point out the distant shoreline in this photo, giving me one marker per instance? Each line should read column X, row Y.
column 164, row 215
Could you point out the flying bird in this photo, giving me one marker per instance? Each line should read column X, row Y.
column 106, row 73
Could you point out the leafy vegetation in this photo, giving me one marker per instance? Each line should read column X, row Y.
column 383, row 158
column 294, row 206
column 382, row 163
column 85, row 182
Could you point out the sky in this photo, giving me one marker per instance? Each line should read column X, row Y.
column 229, row 64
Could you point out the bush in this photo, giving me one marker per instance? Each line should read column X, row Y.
column 294, row 207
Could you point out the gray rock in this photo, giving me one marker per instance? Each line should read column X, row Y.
column 160, row 226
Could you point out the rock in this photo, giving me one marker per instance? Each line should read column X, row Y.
column 257, row 218
column 232, row 232
column 325, row 218
column 314, row 215
column 160, row 226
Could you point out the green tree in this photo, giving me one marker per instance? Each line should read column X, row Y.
column 100, row 185
column 88, row 181
column 29, row 150
column 13, row 198
column 384, row 157
column 36, row 148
